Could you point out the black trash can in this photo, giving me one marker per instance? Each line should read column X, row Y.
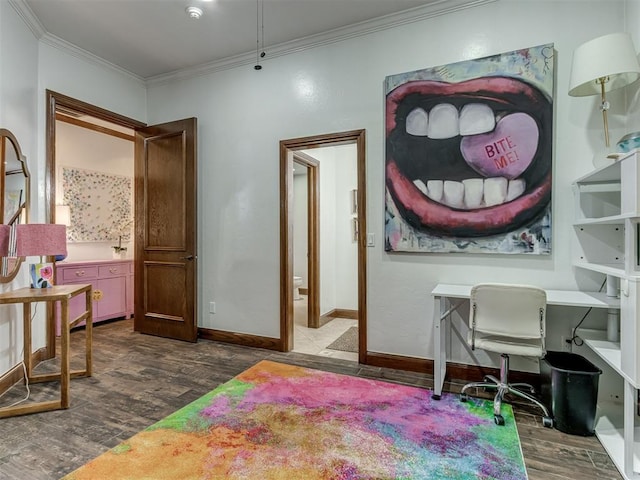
column 570, row 390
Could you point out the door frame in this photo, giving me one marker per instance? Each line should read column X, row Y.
column 313, row 237
column 54, row 101
column 287, row 149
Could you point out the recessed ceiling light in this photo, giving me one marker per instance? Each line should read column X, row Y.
column 194, row 12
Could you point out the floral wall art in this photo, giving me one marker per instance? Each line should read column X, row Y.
column 100, row 205
column 468, row 155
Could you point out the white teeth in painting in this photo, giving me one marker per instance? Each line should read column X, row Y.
column 515, row 189
column 421, row 186
column 443, row 121
column 476, row 118
column 473, row 192
column 435, row 189
column 453, row 194
column 495, row 191
column 417, row 122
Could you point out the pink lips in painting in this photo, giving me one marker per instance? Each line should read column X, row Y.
column 469, row 159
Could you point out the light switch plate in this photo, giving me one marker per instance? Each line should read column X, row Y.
column 371, row 240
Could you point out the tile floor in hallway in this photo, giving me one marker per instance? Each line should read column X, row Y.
column 314, row 341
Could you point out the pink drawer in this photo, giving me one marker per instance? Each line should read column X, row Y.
column 79, row 273
column 113, row 270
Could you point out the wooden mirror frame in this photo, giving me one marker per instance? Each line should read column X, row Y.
column 23, row 207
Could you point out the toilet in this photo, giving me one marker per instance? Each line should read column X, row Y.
column 297, row 283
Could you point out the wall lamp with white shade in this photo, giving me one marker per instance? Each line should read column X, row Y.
column 603, row 64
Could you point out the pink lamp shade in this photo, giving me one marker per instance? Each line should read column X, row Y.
column 41, row 239
column 5, row 230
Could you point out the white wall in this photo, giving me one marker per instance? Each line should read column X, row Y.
column 27, row 69
column 243, row 114
column 79, row 147
column 92, row 82
column 18, row 113
column 338, row 250
column 300, row 222
column 346, row 248
column 632, row 17
column 328, row 194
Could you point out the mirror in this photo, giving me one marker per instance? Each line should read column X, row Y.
column 14, row 198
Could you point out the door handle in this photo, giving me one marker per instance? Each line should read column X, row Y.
column 188, row 257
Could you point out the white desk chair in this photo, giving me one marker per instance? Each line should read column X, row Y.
column 510, row 320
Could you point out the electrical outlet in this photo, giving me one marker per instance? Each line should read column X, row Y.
column 566, row 344
column 212, row 307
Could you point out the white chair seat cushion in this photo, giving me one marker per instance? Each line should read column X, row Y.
column 509, row 345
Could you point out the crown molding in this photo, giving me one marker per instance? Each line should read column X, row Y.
column 75, row 51
column 434, row 9
column 28, row 17
column 441, row 7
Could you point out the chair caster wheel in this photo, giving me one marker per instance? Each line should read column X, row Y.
column 499, row 419
column 464, row 397
column 547, row 422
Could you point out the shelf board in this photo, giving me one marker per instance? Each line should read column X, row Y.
column 608, row 351
column 600, row 187
column 615, row 269
column 611, row 435
column 579, row 298
column 607, row 174
column 610, row 220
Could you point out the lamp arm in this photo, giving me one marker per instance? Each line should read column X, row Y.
column 604, row 107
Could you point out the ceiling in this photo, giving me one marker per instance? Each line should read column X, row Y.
column 151, row 38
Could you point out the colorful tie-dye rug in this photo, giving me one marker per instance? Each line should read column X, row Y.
column 277, row 421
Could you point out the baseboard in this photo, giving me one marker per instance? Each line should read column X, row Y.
column 399, row 362
column 324, row 319
column 16, row 374
column 456, row 371
column 244, row 339
column 338, row 313
column 345, row 313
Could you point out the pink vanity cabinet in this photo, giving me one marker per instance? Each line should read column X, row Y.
column 112, row 284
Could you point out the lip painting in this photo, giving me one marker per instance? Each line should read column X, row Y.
column 469, row 155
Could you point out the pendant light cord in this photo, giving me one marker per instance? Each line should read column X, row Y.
column 259, row 33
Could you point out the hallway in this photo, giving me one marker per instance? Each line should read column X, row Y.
column 314, row 341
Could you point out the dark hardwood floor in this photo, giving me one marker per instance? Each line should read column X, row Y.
column 139, row 379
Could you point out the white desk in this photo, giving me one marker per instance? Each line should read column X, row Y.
column 443, row 307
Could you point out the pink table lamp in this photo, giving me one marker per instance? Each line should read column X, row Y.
column 41, row 240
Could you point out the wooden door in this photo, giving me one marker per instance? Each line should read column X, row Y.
column 165, row 243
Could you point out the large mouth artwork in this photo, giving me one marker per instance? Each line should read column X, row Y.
column 469, row 159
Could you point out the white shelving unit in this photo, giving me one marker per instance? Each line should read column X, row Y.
column 607, row 225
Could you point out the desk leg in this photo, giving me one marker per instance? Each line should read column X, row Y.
column 26, row 338
column 439, row 346
column 64, row 353
column 88, row 333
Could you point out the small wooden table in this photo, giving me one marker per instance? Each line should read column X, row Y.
column 62, row 294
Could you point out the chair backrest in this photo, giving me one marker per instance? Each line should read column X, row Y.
column 508, row 310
